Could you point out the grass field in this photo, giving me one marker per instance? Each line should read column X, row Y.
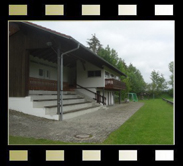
column 151, row 124
column 30, row 141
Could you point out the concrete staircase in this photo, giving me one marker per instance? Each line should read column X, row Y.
column 73, row 104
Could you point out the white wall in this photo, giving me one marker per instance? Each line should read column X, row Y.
column 25, row 105
column 109, row 97
column 72, row 75
column 84, row 80
column 87, row 93
column 36, row 64
column 90, row 83
column 111, row 72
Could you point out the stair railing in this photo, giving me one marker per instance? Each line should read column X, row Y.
column 98, row 97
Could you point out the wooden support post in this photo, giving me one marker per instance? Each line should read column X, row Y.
column 103, row 96
column 119, row 97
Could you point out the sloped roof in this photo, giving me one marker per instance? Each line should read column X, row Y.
column 48, row 30
column 83, row 52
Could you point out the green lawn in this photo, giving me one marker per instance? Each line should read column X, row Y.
column 170, row 99
column 151, row 124
column 22, row 141
column 15, row 140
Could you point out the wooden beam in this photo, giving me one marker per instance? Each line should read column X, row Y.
column 103, row 96
column 13, row 28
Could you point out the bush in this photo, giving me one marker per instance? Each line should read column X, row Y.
column 170, row 92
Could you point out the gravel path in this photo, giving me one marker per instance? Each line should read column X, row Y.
column 99, row 124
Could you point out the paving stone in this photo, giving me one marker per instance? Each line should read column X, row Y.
column 98, row 124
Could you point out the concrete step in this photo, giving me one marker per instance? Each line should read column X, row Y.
column 52, row 110
column 41, row 92
column 78, row 112
column 44, row 97
column 50, row 102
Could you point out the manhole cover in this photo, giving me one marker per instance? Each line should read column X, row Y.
column 83, row 136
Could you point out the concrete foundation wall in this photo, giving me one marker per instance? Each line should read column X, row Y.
column 24, row 104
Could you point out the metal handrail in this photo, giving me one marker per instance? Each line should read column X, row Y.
column 96, row 94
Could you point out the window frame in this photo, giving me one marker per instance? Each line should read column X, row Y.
column 45, row 73
column 41, row 70
column 94, row 73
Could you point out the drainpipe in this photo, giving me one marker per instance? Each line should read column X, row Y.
column 60, row 109
column 58, row 81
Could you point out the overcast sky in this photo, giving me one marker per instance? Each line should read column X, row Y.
column 148, row 45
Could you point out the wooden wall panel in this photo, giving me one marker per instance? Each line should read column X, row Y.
column 18, row 65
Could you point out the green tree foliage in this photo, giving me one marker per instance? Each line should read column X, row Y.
column 109, row 55
column 158, row 84
column 171, row 76
column 170, row 66
column 121, row 65
column 94, row 44
column 134, row 80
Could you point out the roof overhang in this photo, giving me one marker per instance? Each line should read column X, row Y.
column 65, row 43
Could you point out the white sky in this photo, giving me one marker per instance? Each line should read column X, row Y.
column 148, row 45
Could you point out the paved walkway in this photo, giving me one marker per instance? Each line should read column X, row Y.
column 99, row 124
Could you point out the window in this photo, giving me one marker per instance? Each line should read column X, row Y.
column 44, row 73
column 41, row 72
column 96, row 73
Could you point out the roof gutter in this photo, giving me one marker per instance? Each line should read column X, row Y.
column 71, row 50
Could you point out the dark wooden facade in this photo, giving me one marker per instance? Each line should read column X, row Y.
column 21, row 42
column 26, row 39
column 18, row 65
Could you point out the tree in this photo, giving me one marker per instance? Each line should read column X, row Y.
column 94, row 44
column 149, row 90
column 171, row 76
column 158, row 84
column 109, row 55
column 134, row 80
